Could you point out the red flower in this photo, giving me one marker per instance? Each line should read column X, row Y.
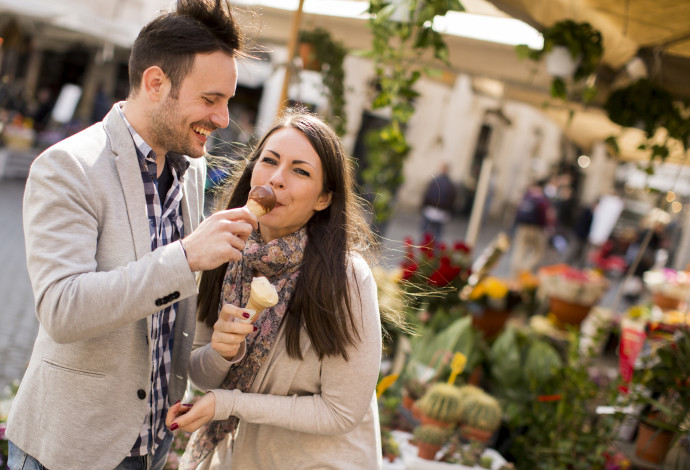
column 409, row 268
column 461, row 246
column 445, row 273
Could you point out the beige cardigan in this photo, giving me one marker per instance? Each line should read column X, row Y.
column 309, row 414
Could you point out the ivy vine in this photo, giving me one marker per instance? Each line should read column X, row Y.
column 398, row 48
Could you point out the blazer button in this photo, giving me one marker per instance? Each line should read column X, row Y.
column 159, row 302
column 141, row 394
column 175, row 295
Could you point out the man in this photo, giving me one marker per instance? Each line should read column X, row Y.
column 533, row 221
column 437, row 206
column 108, row 221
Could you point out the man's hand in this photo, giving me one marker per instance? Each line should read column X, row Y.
column 228, row 335
column 190, row 418
column 219, row 239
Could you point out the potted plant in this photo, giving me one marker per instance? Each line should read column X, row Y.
column 668, row 287
column 646, row 106
column 440, row 405
column 480, row 416
column 430, row 439
column 572, row 292
column 578, row 45
column 389, row 446
column 663, row 386
column 490, row 304
column 319, row 52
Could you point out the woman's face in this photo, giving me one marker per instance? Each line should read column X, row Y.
column 290, row 165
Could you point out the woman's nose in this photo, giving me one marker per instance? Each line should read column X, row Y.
column 276, row 180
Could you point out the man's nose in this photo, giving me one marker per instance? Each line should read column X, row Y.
column 221, row 116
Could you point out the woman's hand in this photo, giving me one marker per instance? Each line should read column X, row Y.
column 191, row 417
column 228, row 335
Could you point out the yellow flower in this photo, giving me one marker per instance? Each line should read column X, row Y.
column 495, row 288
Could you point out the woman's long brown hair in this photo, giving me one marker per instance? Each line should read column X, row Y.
column 321, row 301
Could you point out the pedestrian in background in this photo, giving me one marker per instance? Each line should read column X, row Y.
column 437, row 205
column 113, row 241
column 533, row 222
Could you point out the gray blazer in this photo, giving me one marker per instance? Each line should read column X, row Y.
column 96, row 284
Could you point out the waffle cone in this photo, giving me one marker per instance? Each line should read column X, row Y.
column 262, row 296
column 255, row 208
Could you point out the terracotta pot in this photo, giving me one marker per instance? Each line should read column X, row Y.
column 491, row 322
column 652, row 443
column 424, row 419
column 567, row 312
column 427, row 451
column 407, row 402
column 476, row 434
column 308, row 56
column 664, row 302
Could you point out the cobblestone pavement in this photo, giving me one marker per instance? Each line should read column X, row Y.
column 18, row 323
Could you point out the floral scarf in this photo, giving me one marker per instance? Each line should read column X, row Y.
column 280, row 261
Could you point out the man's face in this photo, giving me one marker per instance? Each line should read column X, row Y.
column 183, row 124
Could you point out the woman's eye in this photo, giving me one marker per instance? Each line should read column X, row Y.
column 269, row 160
column 302, row 172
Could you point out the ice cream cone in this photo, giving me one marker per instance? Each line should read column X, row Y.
column 262, row 296
column 255, row 208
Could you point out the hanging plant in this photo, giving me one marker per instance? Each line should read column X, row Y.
column 402, row 34
column 325, row 55
column 584, row 46
column 648, row 107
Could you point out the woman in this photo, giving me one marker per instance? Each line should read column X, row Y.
column 302, row 384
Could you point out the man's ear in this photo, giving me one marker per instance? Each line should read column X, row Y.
column 323, row 201
column 154, row 83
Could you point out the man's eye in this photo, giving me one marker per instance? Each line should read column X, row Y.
column 208, row 101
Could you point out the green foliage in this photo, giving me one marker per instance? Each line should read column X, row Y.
column 584, row 44
column 397, row 52
column 666, row 376
column 331, row 55
column 441, row 402
column 552, row 416
column 649, row 107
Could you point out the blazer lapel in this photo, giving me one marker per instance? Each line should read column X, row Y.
column 130, row 179
column 190, row 175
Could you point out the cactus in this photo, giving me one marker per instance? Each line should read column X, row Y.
column 441, row 402
column 481, row 411
column 431, row 434
column 467, row 390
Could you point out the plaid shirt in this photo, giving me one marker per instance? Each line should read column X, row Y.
column 165, row 224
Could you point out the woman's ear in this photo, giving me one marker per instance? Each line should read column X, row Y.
column 323, row 201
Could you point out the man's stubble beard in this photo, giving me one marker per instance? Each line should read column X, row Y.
column 169, row 132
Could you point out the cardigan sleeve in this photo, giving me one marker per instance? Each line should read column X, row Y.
column 347, row 387
column 207, row 368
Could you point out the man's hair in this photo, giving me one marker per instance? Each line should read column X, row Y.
column 173, row 39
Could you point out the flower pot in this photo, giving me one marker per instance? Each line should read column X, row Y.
column 424, row 420
column 559, row 62
column 407, row 402
column 567, row 312
column 665, row 302
column 476, row 434
column 490, row 322
column 652, row 443
column 427, row 451
column 308, row 56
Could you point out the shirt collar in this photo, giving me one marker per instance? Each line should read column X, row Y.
column 177, row 161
